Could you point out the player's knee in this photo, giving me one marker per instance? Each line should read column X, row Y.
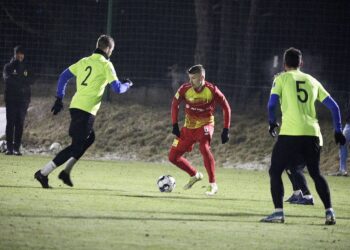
column 204, row 149
column 77, row 149
column 91, row 138
column 315, row 175
column 273, row 173
column 172, row 156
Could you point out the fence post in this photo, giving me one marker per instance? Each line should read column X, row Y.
column 107, row 93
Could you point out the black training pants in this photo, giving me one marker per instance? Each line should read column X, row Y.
column 297, row 178
column 286, row 153
column 15, row 114
column 82, row 134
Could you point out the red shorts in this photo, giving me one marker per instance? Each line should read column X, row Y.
column 189, row 137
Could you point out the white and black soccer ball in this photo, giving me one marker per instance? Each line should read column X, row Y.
column 166, row 183
column 3, row 146
column 55, row 147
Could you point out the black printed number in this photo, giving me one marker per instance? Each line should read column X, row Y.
column 88, row 68
column 302, row 94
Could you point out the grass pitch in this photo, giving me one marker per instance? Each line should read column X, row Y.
column 116, row 205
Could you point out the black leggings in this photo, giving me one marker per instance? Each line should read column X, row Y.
column 298, row 180
column 82, row 133
column 285, row 154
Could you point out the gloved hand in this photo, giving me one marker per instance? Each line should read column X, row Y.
column 58, row 106
column 339, row 138
column 127, row 80
column 224, row 135
column 272, row 126
column 176, row 130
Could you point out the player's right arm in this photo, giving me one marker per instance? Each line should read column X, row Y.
column 276, row 91
column 175, row 105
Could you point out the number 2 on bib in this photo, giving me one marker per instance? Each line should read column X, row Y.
column 88, row 68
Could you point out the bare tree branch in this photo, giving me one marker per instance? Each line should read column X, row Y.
column 24, row 26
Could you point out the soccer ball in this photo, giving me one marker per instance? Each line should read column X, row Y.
column 55, row 147
column 2, row 146
column 166, row 183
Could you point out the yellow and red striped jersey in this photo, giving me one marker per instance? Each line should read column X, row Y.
column 200, row 105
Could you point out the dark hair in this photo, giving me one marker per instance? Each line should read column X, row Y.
column 104, row 41
column 18, row 49
column 292, row 57
column 196, row 69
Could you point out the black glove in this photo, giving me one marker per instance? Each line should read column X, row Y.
column 272, row 126
column 176, row 130
column 127, row 80
column 339, row 138
column 58, row 106
column 224, row 135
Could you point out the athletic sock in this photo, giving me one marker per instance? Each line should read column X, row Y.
column 69, row 165
column 197, row 175
column 277, row 210
column 297, row 192
column 309, row 196
column 213, row 184
column 330, row 209
column 48, row 168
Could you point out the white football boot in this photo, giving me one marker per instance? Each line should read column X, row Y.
column 212, row 189
column 193, row 179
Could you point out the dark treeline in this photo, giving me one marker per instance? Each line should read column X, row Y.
column 240, row 42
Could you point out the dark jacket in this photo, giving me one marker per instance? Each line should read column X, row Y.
column 17, row 80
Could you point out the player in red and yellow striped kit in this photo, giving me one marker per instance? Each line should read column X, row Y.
column 201, row 98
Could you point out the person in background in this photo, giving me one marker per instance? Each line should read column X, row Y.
column 17, row 94
column 343, row 151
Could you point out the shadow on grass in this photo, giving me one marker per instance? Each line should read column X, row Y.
column 153, row 217
column 61, row 188
column 230, row 214
column 121, row 193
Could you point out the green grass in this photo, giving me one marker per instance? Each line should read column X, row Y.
column 116, row 205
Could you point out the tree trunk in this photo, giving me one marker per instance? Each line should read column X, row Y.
column 245, row 52
column 228, row 42
column 204, row 31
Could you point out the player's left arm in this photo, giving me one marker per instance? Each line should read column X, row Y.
column 332, row 105
column 226, row 109
column 118, row 86
column 121, row 86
